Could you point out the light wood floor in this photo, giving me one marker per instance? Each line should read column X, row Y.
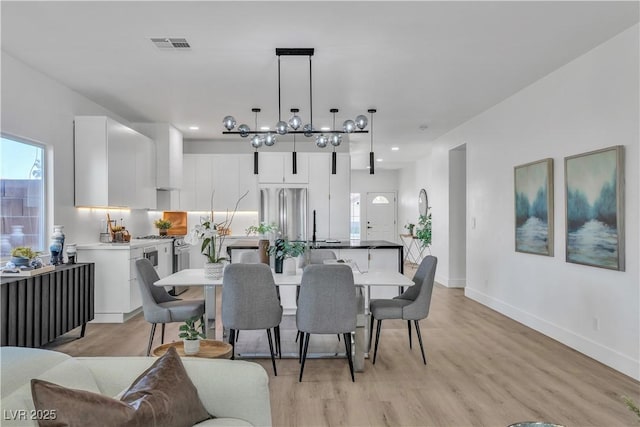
column 483, row 370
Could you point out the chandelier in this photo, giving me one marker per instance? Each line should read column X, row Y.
column 294, row 125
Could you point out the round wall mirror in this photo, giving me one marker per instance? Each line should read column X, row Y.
column 423, row 202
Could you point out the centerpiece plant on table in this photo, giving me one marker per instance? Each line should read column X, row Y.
column 211, row 241
column 285, row 250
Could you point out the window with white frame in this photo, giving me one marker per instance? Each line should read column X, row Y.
column 22, row 193
column 355, row 216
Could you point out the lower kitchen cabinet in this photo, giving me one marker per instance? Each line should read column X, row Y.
column 117, row 295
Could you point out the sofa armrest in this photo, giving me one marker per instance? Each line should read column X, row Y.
column 227, row 388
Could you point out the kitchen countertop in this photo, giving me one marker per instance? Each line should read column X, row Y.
column 134, row 243
column 343, row 244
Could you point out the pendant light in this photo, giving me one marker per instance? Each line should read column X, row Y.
column 294, row 155
column 335, row 139
column 371, row 155
column 256, row 142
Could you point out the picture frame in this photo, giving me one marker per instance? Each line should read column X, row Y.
column 533, row 207
column 594, row 208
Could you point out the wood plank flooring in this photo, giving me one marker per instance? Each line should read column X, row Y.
column 483, row 370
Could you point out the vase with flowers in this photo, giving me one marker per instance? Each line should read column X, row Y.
column 211, row 241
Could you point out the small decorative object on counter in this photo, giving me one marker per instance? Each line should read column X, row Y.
column 17, row 235
column 71, row 253
column 263, row 244
column 163, row 225
column 22, row 256
column 191, row 333
column 57, row 245
column 284, row 249
column 410, row 227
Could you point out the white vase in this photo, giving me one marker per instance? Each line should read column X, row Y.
column 213, row 270
column 289, row 266
column 191, row 346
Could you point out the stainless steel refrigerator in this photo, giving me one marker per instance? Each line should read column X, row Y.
column 287, row 208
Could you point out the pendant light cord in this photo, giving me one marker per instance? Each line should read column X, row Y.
column 279, row 95
column 310, row 94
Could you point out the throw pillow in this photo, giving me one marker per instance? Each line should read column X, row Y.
column 163, row 395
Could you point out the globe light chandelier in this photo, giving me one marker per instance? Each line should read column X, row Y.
column 294, row 126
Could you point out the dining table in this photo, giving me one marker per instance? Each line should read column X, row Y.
column 362, row 281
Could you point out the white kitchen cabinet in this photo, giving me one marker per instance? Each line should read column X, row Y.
column 247, row 181
column 169, row 147
column 188, row 191
column 106, row 157
column 276, row 168
column 330, row 196
column 145, row 171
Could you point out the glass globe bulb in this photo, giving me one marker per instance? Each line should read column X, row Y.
column 281, row 127
column 244, row 130
column 349, row 126
column 270, row 139
column 229, row 122
column 308, row 130
column 256, row 141
column 321, row 141
column 295, row 121
column 335, row 139
column 361, row 122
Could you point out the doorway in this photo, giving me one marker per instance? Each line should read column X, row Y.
column 458, row 217
column 380, row 214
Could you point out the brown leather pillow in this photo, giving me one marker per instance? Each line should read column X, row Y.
column 163, row 395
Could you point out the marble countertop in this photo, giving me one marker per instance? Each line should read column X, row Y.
column 134, row 243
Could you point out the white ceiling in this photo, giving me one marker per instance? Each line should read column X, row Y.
column 419, row 63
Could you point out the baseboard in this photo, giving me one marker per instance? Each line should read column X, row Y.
column 602, row 354
column 114, row 317
column 451, row 283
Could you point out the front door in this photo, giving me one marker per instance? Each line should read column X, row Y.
column 381, row 216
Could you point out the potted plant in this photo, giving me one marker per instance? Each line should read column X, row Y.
column 263, row 244
column 423, row 232
column 22, row 256
column 162, row 225
column 191, row 333
column 410, row 227
column 286, row 251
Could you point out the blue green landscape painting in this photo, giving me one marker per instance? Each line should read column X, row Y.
column 594, row 223
column 534, row 207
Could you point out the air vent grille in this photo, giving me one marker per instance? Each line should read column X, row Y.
column 170, row 43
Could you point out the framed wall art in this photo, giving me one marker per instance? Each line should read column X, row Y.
column 533, row 183
column 595, row 208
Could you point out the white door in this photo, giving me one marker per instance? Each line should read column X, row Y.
column 381, row 216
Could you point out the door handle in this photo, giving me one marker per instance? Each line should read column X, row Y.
column 369, row 226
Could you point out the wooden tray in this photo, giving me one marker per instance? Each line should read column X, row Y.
column 210, row 349
column 30, row 273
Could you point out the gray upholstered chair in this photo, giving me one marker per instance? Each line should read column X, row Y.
column 413, row 304
column 327, row 305
column 250, row 302
column 316, row 256
column 160, row 307
column 249, row 257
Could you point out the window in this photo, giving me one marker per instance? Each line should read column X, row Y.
column 355, row 216
column 22, row 192
column 380, row 200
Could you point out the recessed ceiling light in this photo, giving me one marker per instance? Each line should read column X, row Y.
column 264, row 128
column 395, row 148
column 378, row 160
column 193, row 128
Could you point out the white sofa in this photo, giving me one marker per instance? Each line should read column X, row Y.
column 235, row 392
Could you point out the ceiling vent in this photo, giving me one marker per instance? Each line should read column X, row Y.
column 166, row 43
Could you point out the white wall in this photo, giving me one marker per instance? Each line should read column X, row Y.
column 457, row 216
column 40, row 109
column 588, row 104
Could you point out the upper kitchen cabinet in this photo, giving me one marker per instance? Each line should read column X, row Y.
column 169, row 143
column 226, row 177
column 114, row 165
column 276, row 168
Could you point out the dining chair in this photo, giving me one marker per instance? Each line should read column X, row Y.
column 250, row 302
column 412, row 305
column 326, row 305
column 250, row 257
column 160, row 307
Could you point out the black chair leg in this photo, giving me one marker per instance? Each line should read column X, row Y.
column 375, row 351
column 162, row 335
column 338, row 337
column 232, row 340
column 203, row 325
column 273, row 359
column 347, row 347
column 409, row 327
column 297, row 336
column 237, row 335
column 300, row 345
column 371, row 319
column 153, row 332
column 305, row 338
column 276, row 330
column 424, row 359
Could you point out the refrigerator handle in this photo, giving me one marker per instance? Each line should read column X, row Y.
column 282, row 211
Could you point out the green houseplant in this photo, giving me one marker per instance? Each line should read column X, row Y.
column 191, row 332
column 22, row 256
column 284, row 250
column 423, row 232
column 263, row 243
column 163, row 225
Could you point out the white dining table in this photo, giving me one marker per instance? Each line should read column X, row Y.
column 195, row 277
